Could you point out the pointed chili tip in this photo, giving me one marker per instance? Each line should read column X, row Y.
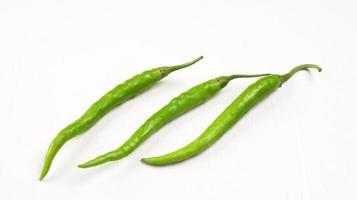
column 91, row 163
column 97, row 161
column 41, row 178
column 85, row 165
column 82, row 166
column 147, row 161
column 43, row 173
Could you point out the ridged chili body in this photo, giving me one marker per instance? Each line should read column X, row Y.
column 118, row 95
column 176, row 107
column 255, row 93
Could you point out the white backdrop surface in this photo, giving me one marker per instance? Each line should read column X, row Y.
column 58, row 57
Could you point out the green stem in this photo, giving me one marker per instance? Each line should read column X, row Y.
column 176, row 67
column 246, row 76
column 223, row 80
column 168, row 69
column 287, row 76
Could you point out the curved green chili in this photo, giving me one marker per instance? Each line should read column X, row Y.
column 176, row 107
column 118, row 95
column 239, row 107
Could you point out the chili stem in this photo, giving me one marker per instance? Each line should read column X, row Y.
column 286, row 77
column 177, row 67
column 246, row 76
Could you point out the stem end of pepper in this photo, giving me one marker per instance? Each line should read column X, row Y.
column 288, row 75
column 223, row 80
column 168, row 69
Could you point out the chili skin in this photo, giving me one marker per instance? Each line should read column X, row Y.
column 255, row 93
column 118, row 95
column 176, row 107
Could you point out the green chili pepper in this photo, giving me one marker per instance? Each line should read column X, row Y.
column 118, row 95
column 176, row 107
column 239, row 107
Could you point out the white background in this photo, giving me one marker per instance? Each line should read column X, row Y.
column 58, row 57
